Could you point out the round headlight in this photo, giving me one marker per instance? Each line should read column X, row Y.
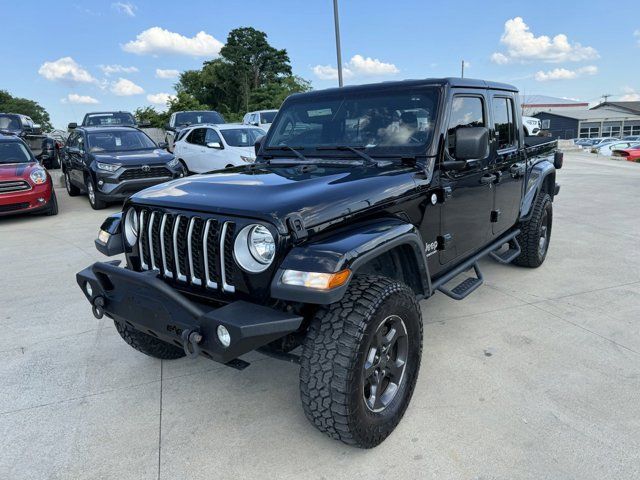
column 131, row 227
column 254, row 248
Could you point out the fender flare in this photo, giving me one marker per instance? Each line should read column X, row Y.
column 349, row 249
column 541, row 173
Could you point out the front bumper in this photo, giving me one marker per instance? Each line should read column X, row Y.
column 26, row 201
column 146, row 303
column 110, row 187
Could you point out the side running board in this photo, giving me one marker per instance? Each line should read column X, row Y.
column 466, row 287
column 508, row 255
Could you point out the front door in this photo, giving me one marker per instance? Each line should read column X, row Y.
column 465, row 221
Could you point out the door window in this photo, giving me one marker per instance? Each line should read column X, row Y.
column 211, row 137
column 197, row 136
column 504, row 123
column 465, row 112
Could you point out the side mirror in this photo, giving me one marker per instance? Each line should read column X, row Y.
column 163, row 145
column 216, row 145
column 36, row 129
column 258, row 145
column 167, row 126
column 472, row 143
column 144, row 124
column 72, row 125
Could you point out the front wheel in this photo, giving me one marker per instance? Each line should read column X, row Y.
column 360, row 361
column 535, row 233
column 72, row 190
column 95, row 202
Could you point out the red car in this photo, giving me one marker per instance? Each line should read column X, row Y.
column 25, row 186
column 631, row 154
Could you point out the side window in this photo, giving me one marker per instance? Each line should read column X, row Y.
column 465, row 112
column 212, row 136
column 504, row 123
column 197, row 136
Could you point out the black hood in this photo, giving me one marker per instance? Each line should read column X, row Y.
column 318, row 195
column 134, row 157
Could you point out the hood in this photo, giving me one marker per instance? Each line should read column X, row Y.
column 318, row 195
column 134, row 157
column 17, row 171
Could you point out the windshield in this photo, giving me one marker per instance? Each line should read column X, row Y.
column 9, row 122
column 14, row 152
column 119, row 141
column 392, row 122
column 191, row 118
column 242, row 137
column 109, row 119
column 267, row 117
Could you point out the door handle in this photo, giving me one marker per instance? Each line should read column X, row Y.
column 488, row 178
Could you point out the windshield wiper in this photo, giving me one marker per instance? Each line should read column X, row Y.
column 290, row 149
column 348, row 148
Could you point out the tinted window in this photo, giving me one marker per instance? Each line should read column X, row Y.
column 212, row 137
column 9, row 122
column 372, row 120
column 267, row 117
column 242, row 137
column 504, row 123
column 192, row 118
column 109, row 119
column 465, row 112
column 119, row 141
column 14, row 152
column 197, row 136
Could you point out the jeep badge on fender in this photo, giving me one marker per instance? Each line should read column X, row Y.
column 320, row 251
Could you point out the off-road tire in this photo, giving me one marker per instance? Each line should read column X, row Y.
column 52, row 208
column 147, row 344
column 530, row 233
column 72, row 190
column 96, row 203
column 331, row 383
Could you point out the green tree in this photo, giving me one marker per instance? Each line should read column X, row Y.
column 151, row 115
column 24, row 106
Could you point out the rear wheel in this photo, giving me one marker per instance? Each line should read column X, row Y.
column 535, row 233
column 184, row 166
column 147, row 344
column 72, row 190
column 95, row 202
column 360, row 361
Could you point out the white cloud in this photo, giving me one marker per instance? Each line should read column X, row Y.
column 160, row 98
column 523, row 46
column 65, row 69
column 630, row 95
column 111, row 69
column 169, row 73
column 156, row 40
column 125, row 8
column 126, row 88
column 81, row 99
column 357, row 66
column 565, row 74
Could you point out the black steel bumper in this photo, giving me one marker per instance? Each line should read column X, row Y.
column 146, row 303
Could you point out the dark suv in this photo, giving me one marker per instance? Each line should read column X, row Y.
column 44, row 148
column 363, row 200
column 111, row 163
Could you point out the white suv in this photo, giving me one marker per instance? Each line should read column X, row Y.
column 261, row 118
column 531, row 126
column 203, row 148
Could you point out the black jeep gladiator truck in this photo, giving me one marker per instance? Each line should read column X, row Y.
column 363, row 200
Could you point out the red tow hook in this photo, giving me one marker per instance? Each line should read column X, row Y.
column 190, row 341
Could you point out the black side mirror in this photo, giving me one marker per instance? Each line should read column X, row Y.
column 72, row 125
column 472, row 143
column 258, row 145
column 144, row 124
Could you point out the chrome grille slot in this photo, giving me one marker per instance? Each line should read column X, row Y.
column 226, row 256
column 14, row 186
column 179, row 247
column 166, row 245
column 209, row 242
column 154, row 241
column 143, row 246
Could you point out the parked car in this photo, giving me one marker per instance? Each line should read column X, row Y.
column 583, row 142
column 180, row 120
column 606, row 148
column 631, row 154
column 531, row 126
column 111, row 163
column 25, row 185
column 204, row 148
column 45, row 148
column 261, row 118
column 319, row 252
column 106, row 119
column 632, row 138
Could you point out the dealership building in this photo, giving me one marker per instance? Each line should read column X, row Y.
column 600, row 121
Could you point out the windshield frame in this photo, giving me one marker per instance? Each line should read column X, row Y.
column 29, row 155
column 90, row 147
column 381, row 151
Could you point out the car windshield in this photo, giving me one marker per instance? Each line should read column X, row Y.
column 267, row 117
column 192, row 118
column 9, row 122
column 242, row 137
column 119, row 141
column 382, row 122
column 109, row 119
column 14, row 152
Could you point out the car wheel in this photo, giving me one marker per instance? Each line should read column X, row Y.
column 360, row 361
column 52, row 208
column 56, row 159
column 95, row 202
column 147, row 344
column 535, row 234
column 72, row 190
column 184, row 166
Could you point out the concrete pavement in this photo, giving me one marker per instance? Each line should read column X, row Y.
column 536, row 375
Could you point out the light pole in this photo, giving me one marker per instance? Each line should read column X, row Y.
column 339, row 54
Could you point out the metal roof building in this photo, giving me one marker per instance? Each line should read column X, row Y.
column 584, row 123
column 627, row 107
column 532, row 104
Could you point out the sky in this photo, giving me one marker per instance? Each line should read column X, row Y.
column 73, row 57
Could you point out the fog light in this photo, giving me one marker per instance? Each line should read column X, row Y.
column 103, row 236
column 224, row 336
column 40, row 200
column 88, row 289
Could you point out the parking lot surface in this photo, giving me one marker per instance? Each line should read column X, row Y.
column 536, row 375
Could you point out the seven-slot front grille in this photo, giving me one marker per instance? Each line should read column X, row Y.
column 14, row 186
column 139, row 173
column 187, row 248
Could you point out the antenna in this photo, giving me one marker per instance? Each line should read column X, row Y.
column 605, row 96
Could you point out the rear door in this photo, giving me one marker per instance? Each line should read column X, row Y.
column 508, row 161
column 465, row 220
column 195, row 150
